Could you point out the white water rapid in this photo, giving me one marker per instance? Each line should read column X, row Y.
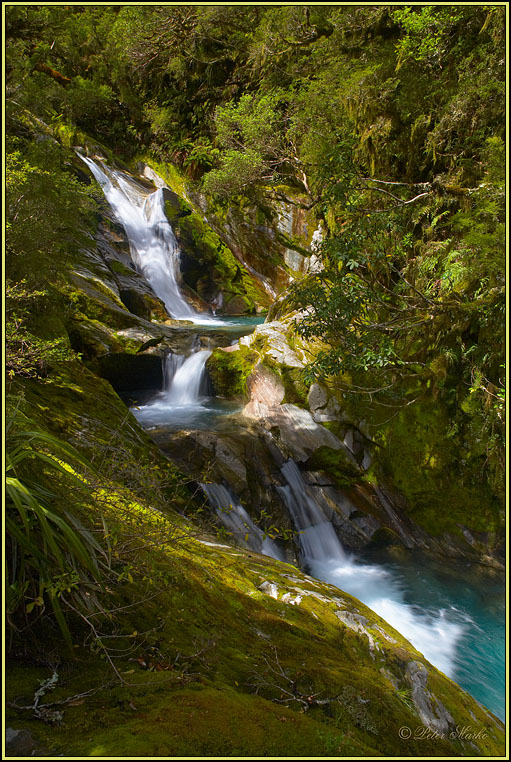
column 434, row 633
column 184, row 395
column 186, row 379
column 238, row 522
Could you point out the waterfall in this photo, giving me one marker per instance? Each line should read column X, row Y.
column 153, row 245
column 184, row 400
column 236, row 519
column 171, row 364
column 186, row 379
column 434, row 633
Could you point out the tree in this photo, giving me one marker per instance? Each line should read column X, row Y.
column 253, row 138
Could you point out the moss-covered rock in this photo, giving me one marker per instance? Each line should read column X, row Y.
column 210, row 268
column 296, row 389
column 427, row 463
column 229, row 371
column 336, row 463
column 94, row 300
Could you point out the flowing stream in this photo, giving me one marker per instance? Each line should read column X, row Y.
column 457, row 628
column 457, row 625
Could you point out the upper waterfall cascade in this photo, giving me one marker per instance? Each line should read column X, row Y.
column 153, row 245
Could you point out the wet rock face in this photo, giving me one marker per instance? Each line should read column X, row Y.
column 135, row 302
column 356, row 529
column 20, row 743
column 208, row 265
column 295, row 430
column 134, row 291
column 127, row 372
column 249, row 459
column 273, row 241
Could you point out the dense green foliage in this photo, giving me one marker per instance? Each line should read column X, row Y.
column 50, row 551
column 389, row 121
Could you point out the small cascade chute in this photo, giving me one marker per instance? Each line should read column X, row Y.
column 184, row 401
column 171, row 363
column 238, row 522
column 186, row 379
column 318, row 538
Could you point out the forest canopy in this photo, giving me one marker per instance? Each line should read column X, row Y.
column 390, row 119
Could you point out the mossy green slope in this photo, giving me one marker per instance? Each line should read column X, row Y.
column 218, row 649
column 227, row 625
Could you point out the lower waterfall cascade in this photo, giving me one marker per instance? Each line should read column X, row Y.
column 324, row 557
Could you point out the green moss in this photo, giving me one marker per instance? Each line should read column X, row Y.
column 194, row 722
column 94, row 301
column 175, row 180
column 70, row 136
column 207, row 248
column 425, row 464
column 206, row 705
column 294, row 243
column 229, row 371
column 119, row 268
column 296, row 390
column 175, row 209
column 336, row 464
column 208, row 636
column 260, row 343
column 207, row 255
column 92, row 338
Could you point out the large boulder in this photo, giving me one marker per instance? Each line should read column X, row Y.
column 266, row 392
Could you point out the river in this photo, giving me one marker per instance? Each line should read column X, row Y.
column 452, row 612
